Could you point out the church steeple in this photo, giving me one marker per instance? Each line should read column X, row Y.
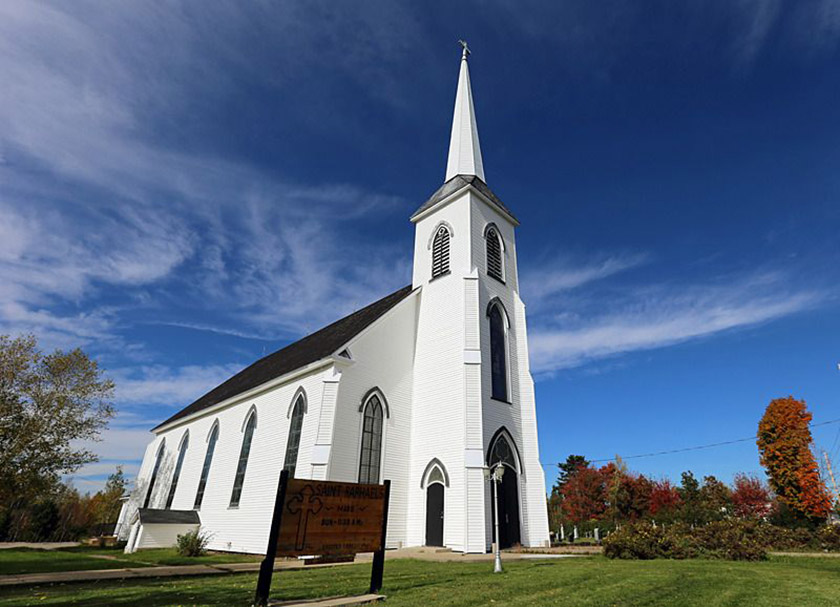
column 464, row 149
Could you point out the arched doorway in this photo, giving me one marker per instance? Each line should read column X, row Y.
column 434, row 514
column 435, row 480
column 502, row 451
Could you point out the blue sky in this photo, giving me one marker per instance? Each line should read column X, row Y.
column 185, row 187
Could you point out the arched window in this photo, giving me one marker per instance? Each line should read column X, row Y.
column 436, row 476
column 440, row 252
column 498, row 353
column 155, row 470
column 502, row 453
column 371, row 441
column 293, row 443
column 185, row 442
column 495, row 268
column 205, row 469
column 244, row 452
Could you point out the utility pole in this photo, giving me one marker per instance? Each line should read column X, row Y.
column 831, row 474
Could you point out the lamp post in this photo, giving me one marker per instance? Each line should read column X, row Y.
column 494, row 475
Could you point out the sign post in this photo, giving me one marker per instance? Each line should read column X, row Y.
column 267, row 564
column 378, row 568
column 326, row 519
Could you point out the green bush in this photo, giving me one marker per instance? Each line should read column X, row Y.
column 192, row 543
column 731, row 539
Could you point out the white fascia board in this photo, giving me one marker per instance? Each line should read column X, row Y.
column 373, row 325
column 253, row 392
column 457, row 194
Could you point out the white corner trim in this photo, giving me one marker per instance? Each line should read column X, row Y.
column 474, row 458
column 320, row 455
column 472, row 357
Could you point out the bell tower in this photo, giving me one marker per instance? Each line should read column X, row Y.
column 473, row 395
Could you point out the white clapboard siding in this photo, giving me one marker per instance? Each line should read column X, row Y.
column 429, row 357
column 383, row 359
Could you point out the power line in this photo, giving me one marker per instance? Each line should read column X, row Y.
column 698, row 447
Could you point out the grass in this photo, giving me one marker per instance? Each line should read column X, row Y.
column 581, row 582
column 79, row 558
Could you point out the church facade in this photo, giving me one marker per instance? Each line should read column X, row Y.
column 426, row 387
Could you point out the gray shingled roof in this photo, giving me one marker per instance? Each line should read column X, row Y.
column 458, row 182
column 155, row 516
column 308, row 350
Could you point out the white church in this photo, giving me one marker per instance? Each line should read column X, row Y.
column 426, row 387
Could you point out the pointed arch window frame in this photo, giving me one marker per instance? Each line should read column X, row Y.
column 183, row 445
column 249, row 428
column 492, row 235
column 161, row 451
column 434, row 464
column 211, row 440
column 295, row 414
column 504, row 433
column 497, row 304
column 385, row 413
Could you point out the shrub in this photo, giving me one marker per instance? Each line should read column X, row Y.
column 731, row 539
column 735, row 540
column 829, row 538
column 192, row 543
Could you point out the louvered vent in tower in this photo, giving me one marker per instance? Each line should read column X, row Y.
column 494, row 255
column 440, row 253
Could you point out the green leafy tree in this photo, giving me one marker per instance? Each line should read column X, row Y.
column 692, row 505
column 569, row 468
column 50, row 404
column 715, row 498
column 106, row 503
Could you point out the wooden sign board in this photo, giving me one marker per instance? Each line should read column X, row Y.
column 329, row 518
column 326, row 518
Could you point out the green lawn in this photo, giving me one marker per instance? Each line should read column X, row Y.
column 27, row 560
column 168, row 556
column 592, row 581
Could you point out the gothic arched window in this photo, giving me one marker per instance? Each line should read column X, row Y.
column 440, row 252
column 371, row 441
column 185, row 442
column 498, row 353
column 495, row 267
column 502, row 453
column 244, row 452
column 205, row 469
column 293, row 443
column 155, row 470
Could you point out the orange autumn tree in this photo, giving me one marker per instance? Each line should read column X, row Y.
column 784, row 442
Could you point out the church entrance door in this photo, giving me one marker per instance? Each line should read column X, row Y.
column 434, row 515
column 508, row 505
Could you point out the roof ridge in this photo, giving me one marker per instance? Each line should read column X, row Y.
column 295, row 355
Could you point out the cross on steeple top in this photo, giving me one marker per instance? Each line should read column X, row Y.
column 466, row 48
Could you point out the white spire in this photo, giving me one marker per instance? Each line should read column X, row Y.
column 464, row 150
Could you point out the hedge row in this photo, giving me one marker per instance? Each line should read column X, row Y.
column 734, row 539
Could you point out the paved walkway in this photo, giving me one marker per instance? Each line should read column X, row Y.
column 429, row 554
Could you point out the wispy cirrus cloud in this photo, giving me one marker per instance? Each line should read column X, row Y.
column 541, row 282
column 124, row 213
column 171, row 387
column 661, row 315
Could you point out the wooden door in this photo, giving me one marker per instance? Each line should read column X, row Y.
column 434, row 515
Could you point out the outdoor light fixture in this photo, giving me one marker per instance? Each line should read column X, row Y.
column 494, row 475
